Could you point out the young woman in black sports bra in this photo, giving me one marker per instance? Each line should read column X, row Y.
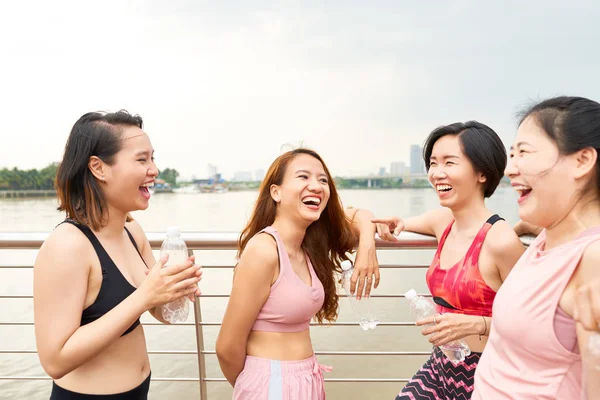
column 91, row 276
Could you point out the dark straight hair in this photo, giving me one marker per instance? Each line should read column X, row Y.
column 480, row 144
column 94, row 134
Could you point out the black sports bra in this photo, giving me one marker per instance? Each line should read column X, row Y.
column 114, row 288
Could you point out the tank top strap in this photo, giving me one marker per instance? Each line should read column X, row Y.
column 284, row 259
column 102, row 254
column 444, row 237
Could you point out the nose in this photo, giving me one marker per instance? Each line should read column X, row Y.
column 153, row 170
column 314, row 185
column 511, row 169
column 437, row 173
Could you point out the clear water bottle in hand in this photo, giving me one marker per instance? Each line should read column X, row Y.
column 362, row 307
column 591, row 367
column 176, row 249
column 422, row 307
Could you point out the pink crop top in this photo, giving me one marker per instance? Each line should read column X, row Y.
column 292, row 303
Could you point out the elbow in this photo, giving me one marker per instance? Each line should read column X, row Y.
column 54, row 370
column 53, row 367
column 228, row 353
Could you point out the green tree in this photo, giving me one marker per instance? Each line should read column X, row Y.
column 169, row 175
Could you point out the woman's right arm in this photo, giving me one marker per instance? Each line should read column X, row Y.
column 429, row 223
column 251, row 288
column 60, row 281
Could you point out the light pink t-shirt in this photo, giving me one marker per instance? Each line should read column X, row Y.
column 523, row 358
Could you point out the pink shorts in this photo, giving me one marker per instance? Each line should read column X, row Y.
column 264, row 379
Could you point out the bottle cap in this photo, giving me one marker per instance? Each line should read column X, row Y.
column 173, row 231
column 346, row 265
column 411, row 294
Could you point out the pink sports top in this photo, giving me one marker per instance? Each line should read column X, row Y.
column 292, row 303
column 524, row 357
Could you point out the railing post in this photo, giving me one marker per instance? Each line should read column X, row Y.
column 200, row 345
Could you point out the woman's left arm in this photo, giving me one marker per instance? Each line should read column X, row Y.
column 586, row 272
column 366, row 266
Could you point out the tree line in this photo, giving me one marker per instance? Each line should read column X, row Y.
column 43, row 179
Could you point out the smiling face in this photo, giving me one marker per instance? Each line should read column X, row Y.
column 452, row 174
column 127, row 179
column 304, row 191
column 543, row 178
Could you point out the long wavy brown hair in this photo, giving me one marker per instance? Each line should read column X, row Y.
column 327, row 240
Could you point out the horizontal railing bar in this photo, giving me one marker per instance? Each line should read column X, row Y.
column 161, row 379
column 204, row 240
column 344, row 380
column 47, row 378
column 213, row 352
column 156, row 352
column 383, row 296
column 356, row 353
column 336, row 323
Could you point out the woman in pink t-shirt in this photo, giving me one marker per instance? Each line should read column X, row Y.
column 535, row 346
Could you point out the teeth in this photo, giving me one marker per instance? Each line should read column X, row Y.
column 443, row 187
column 315, row 200
column 148, row 184
column 521, row 188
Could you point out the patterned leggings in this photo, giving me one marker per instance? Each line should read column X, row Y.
column 439, row 379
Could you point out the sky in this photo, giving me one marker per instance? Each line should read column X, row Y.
column 236, row 83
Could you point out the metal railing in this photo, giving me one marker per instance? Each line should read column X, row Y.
column 220, row 241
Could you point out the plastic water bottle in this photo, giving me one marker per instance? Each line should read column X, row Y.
column 422, row 307
column 175, row 247
column 591, row 373
column 362, row 307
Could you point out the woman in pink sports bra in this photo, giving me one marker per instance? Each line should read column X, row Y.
column 288, row 253
column 535, row 346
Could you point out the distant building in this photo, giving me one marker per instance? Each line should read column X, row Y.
column 259, row 175
column 417, row 165
column 242, row 176
column 398, row 168
column 381, row 171
column 212, row 171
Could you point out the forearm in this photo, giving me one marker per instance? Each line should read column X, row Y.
column 482, row 325
column 232, row 364
column 361, row 220
column 156, row 312
column 90, row 340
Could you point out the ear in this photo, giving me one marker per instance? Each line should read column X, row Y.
column 585, row 162
column 275, row 193
column 481, row 178
column 97, row 168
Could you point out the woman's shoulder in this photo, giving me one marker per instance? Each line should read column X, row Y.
column 502, row 238
column 66, row 241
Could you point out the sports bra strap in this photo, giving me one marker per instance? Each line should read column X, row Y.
column 494, row 218
column 135, row 245
column 284, row 260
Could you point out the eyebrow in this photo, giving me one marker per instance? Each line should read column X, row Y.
column 143, row 153
column 520, row 144
column 308, row 172
column 444, row 157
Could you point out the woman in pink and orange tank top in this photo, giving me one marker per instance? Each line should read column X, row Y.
column 288, row 253
column 535, row 347
column 476, row 251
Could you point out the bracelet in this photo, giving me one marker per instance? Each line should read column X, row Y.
column 484, row 327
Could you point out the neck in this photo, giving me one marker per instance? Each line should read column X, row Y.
column 577, row 220
column 291, row 234
column 470, row 216
column 115, row 222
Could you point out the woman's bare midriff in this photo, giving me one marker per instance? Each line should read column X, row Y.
column 282, row 346
column 121, row 367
